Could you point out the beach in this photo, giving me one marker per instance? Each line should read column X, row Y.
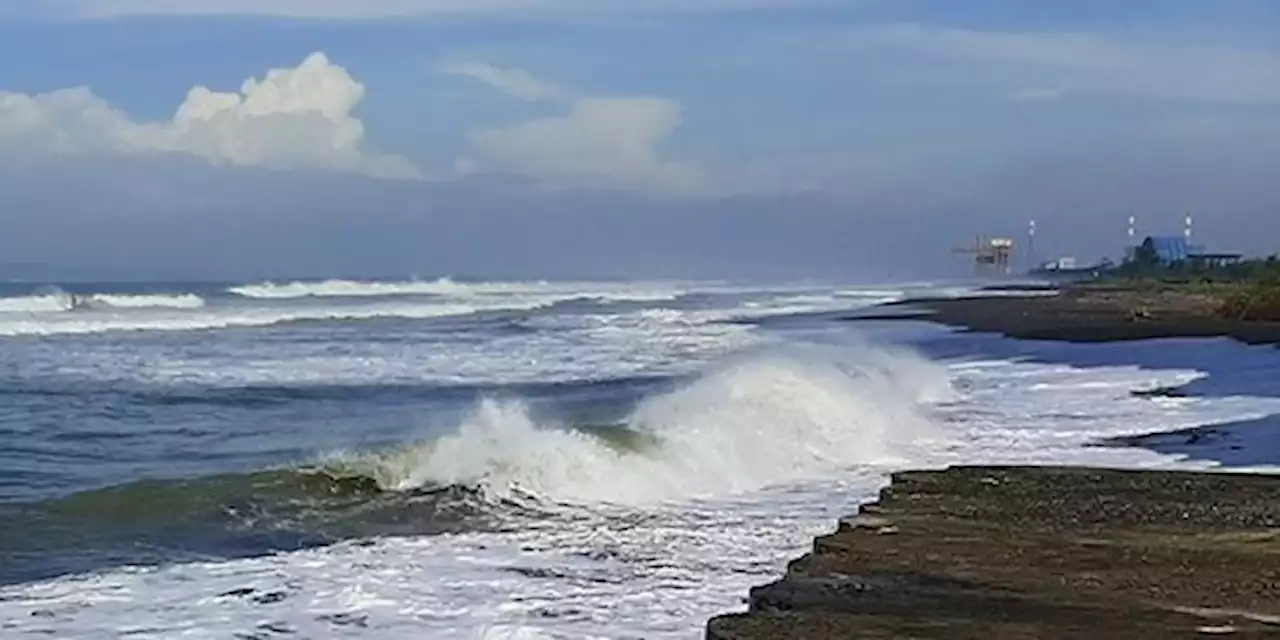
column 1051, row 551
column 1089, row 313
column 1036, row 553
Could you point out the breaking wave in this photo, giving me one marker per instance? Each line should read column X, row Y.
column 448, row 287
column 753, row 422
column 149, row 301
column 73, row 324
column 44, row 303
column 356, row 289
column 55, row 300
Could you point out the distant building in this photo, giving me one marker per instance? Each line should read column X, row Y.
column 1171, row 250
column 1209, row 259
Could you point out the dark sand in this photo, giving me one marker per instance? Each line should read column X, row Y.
column 1090, row 313
column 1047, row 552
column 1037, row 553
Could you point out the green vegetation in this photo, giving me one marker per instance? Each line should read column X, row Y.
column 1146, row 266
column 1247, row 290
column 1254, row 301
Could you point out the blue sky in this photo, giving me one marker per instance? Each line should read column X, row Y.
column 960, row 117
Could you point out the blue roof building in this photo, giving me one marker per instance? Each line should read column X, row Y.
column 1169, row 249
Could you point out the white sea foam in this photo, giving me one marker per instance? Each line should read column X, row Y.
column 50, row 303
column 449, row 287
column 345, row 288
column 148, row 301
column 55, row 300
column 757, row 421
column 86, row 323
column 276, row 304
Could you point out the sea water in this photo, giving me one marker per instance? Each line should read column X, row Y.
column 444, row 458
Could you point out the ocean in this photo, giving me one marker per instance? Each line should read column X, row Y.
column 465, row 459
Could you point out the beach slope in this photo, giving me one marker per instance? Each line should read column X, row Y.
column 989, row 552
column 1090, row 313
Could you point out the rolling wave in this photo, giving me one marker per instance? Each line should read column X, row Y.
column 72, row 324
column 756, row 420
column 446, row 287
column 55, row 300
column 358, row 289
column 147, row 301
column 47, row 303
column 239, row 515
column 753, row 422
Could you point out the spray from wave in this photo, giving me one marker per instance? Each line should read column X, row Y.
column 757, row 421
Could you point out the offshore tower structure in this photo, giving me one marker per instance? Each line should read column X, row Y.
column 991, row 256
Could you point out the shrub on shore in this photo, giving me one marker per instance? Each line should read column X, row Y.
column 1257, row 301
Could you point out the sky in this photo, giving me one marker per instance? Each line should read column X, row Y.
column 859, row 139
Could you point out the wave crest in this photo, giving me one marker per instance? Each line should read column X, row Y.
column 357, row 289
column 547, row 291
column 51, row 299
column 46, row 303
column 147, row 301
column 758, row 421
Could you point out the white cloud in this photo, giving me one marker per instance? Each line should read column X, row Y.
column 292, row 118
column 516, row 82
column 602, row 142
column 364, row 9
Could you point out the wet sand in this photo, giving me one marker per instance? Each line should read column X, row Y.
column 1090, row 313
column 1036, row 553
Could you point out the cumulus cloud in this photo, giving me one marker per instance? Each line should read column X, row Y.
column 601, row 143
column 516, row 82
column 299, row 117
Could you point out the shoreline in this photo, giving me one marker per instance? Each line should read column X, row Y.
column 1051, row 551
column 1083, row 314
column 1035, row 552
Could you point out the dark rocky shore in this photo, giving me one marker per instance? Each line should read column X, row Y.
column 1046, row 552
column 1036, row 553
column 1090, row 313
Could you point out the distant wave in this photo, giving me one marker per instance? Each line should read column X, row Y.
column 48, row 303
column 147, row 301
column 54, row 300
column 449, row 287
column 72, row 323
column 353, row 289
